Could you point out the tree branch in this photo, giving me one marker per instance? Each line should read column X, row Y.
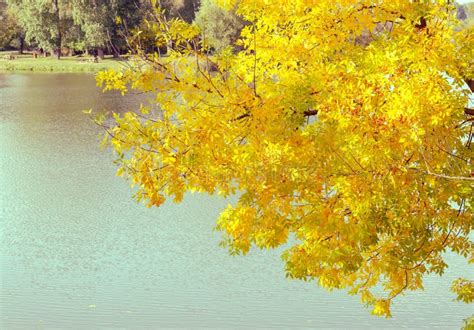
column 443, row 176
column 470, row 83
column 245, row 115
column 310, row 112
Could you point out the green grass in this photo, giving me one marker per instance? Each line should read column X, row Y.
column 65, row 64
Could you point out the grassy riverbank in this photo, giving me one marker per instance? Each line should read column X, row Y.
column 47, row 64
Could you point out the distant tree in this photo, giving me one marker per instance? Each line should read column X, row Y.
column 104, row 22
column 461, row 13
column 220, row 27
column 74, row 39
column 44, row 22
column 94, row 20
column 184, row 9
column 465, row 13
column 11, row 34
column 126, row 15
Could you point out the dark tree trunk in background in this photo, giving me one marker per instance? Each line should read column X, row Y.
column 22, row 45
column 100, row 53
column 110, row 45
column 58, row 26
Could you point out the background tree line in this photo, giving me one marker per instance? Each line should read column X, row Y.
column 99, row 27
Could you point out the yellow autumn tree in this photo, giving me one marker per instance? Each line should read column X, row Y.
column 342, row 126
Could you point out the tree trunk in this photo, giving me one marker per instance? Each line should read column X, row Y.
column 115, row 51
column 22, row 45
column 58, row 26
column 100, row 53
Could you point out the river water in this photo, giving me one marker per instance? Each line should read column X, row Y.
column 77, row 252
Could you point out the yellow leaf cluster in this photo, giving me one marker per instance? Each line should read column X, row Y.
column 340, row 123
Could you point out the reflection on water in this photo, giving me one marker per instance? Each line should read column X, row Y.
column 77, row 252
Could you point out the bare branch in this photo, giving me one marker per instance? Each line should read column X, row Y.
column 443, row 176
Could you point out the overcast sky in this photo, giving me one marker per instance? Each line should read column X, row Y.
column 464, row 1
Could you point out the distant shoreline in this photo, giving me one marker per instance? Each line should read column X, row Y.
column 11, row 62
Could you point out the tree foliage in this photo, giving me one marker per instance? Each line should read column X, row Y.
column 220, row 28
column 184, row 9
column 76, row 24
column 9, row 29
column 43, row 21
column 466, row 14
column 357, row 152
column 94, row 18
column 104, row 22
column 468, row 323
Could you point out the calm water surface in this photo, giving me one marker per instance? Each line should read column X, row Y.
column 77, row 253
